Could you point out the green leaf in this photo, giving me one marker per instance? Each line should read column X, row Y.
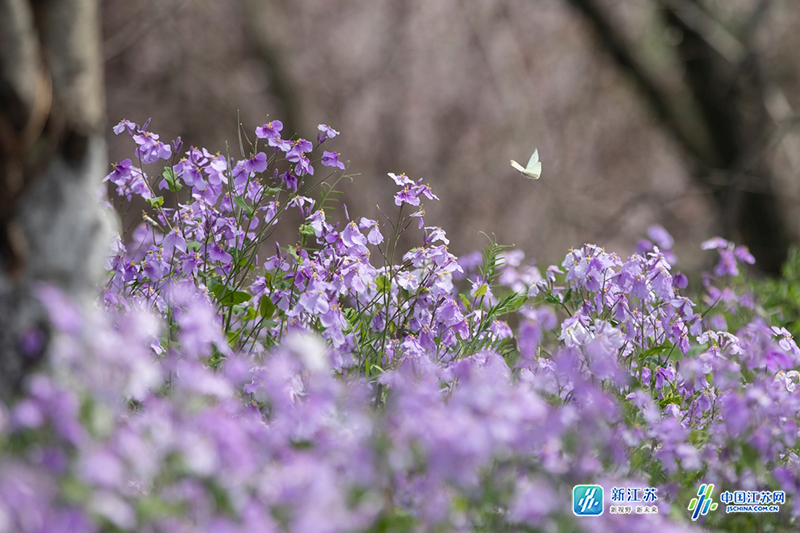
column 238, row 200
column 74, row 491
column 306, row 229
column 172, row 179
column 228, row 297
column 465, row 301
column 235, row 297
column 510, row 303
column 481, row 291
column 552, row 299
column 212, row 284
column 639, row 459
column 266, row 308
column 668, row 400
column 655, row 350
column 383, row 283
column 233, row 336
column 193, row 246
column 217, row 288
column 158, row 201
column 153, row 507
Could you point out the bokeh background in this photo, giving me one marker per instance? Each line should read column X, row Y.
column 450, row 90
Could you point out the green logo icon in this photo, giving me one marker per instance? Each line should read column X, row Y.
column 703, row 503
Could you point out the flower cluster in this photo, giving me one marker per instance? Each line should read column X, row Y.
column 229, row 383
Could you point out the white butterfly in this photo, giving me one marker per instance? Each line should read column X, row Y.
column 534, row 168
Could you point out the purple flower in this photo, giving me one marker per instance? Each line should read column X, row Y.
column 375, row 237
column 270, row 130
column 574, row 332
column 331, row 159
column 743, row 254
column 154, row 266
column 256, row 162
column 199, row 329
column 159, row 150
column 401, row 180
column 101, row 468
column 27, row 414
column 661, row 237
column 727, row 264
column 353, row 239
column 299, row 148
column 290, row 180
column 303, row 166
column 315, row 300
column 32, row 342
column 216, row 171
column 174, row 240
column 150, row 148
column 259, row 286
column 177, row 144
column 602, row 350
column 713, row 244
column 776, row 360
column 424, row 190
column 121, row 173
column 216, row 253
column 407, row 195
column 326, row 132
column 190, row 262
column 190, row 173
column 125, row 125
column 735, row 413
column 301, row 422
column 435, row 234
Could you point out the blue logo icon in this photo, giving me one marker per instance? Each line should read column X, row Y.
column 703, row 503
column 587, row 500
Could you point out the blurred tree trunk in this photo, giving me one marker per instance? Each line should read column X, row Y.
column 52, row 161
column 717, row 114
column 268, row 37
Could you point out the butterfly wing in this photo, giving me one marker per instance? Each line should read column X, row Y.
column 534, row 171
column 533, row 160
column 534, row 168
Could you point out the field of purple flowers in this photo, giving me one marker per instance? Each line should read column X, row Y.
column 225, row 383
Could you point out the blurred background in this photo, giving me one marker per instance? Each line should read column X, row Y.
column 674, row 112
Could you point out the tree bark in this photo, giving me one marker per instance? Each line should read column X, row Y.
column 53, row 228
column 718, row 116
column 730, row 93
